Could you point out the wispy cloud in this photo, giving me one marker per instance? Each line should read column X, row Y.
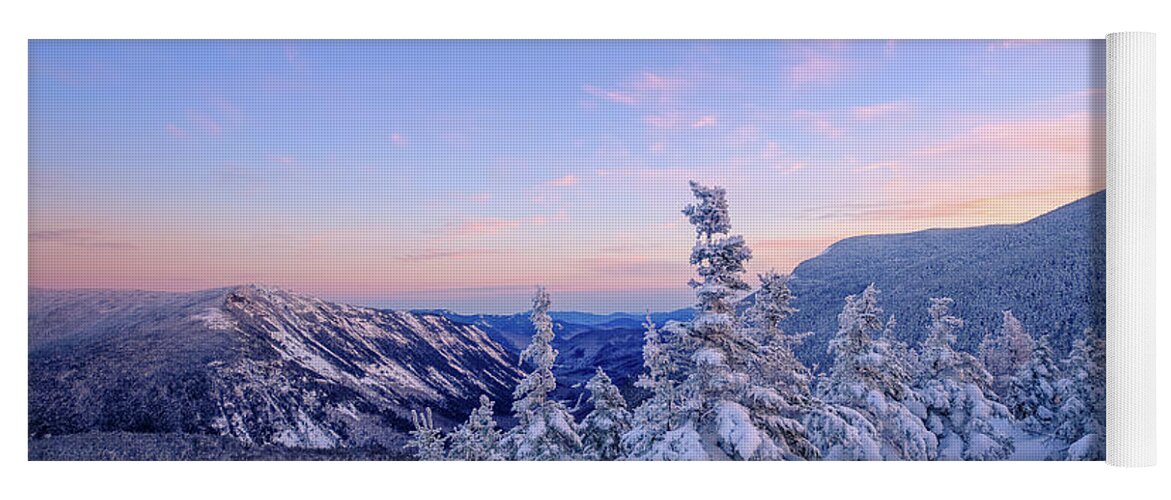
column 176, row 131
column 818, row 69
column 432, row 255
column 704, row 121
column 1013, row 44
column 880, row 110
column 669, row 120
column 820, row 121
column 652, row 82
column 205, row 123
column 616, row 96
column 646, row 88
column 488, row 226
column 398, row 139
column 564, row 181
column 1076, row 133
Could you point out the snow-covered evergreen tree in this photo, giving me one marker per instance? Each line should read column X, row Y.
column 842, row 433
column 657, row 360
column 658, row 430
column 602, row 429
column 779, row 394
column 545, row 430
column 1033, row 397
column 1006, row 352
column 1081, row 419
column 717, row 392
column 478, row 438
column 955, row 388
column 870, row 375
column 426, row 439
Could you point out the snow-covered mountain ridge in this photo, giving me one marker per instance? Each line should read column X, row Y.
column 262, row 365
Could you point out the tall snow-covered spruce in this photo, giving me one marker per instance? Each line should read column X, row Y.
column 716, row 415
column 545, row 429
column 601, row 431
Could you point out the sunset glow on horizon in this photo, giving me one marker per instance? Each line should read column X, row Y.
column 461, row 174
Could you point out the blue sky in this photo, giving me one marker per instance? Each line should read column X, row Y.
column 461, row 174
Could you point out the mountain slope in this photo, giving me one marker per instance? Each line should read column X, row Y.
column 1050, row 271
column 260, row 365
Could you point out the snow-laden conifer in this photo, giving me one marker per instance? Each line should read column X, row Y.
column 545, row 429
column 870, row 375
column 1006, row 351
column 778, row 395
column 478, row 438
column 717, row 391
column 1033, row 397
column 602, row 429
column 426, row 439
column 956, row 390
column 659, row 430
column 1081, row 419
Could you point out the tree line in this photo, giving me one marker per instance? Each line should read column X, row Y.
column 727, row 386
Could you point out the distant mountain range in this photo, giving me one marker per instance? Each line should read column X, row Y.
column 275, row 368
column 585, row 341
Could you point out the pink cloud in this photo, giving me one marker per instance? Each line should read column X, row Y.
column 541, row 220
column 889, row 48
column 663, row 121
column 431, row 255
column 704, row 121
column 1077, row 133
column 176, row 131
column 818, row 69
column 772, row 151
column 205, row 123
column 820, row 121
column 398, row 139
column 611, row 95
column 1013, row 44
column 564, row 181
column 647, row 87
column 881, row 110
column 652, row 82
